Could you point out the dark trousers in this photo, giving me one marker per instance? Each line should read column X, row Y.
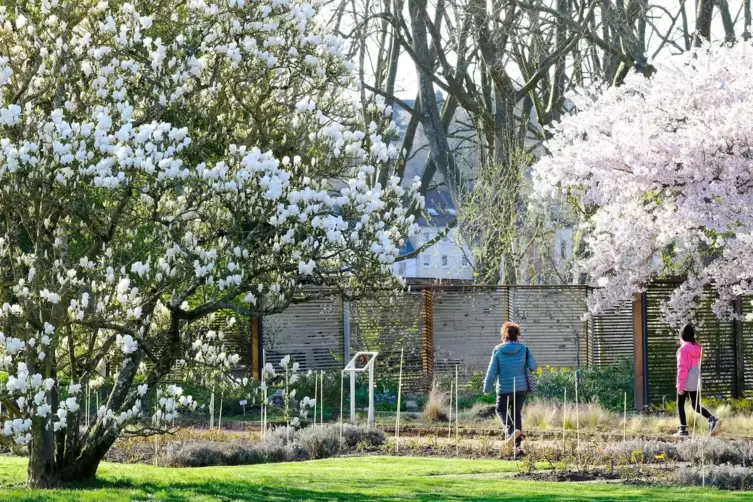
column 694, row 402
column 509, row 409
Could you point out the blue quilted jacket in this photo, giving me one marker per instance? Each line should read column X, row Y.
column 508, row 368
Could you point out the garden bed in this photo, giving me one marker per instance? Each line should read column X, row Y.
column 569, row 476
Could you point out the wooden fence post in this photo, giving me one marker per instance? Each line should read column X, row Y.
column 739, row 349
column 427, row 334
column 346, row 330
column 256, row 347
column 639, row 351
column 507, row 307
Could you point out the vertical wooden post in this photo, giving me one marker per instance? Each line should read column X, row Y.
column 506, row 305
column 582, row 345
column 346, row 328
column 256, row 348
column 639, row 350
column 427, row 334
column 739, row 349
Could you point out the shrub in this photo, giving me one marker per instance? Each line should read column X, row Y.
column 716, row 451
column 209, row 454
column 726, row 477
column 606, row 385
column 641, row 451
column 436, row 405
column 321, row 442
column 281, row 445
column 355, row 434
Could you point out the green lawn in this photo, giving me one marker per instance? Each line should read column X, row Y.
column 363, row 478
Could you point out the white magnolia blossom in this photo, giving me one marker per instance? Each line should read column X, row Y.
column 171, row 402
column 664, row 167
column 203, row 157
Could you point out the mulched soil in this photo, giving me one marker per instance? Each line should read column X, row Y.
column 569, row 476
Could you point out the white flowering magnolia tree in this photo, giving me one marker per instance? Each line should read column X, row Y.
column 663, row 167
column 162, row 160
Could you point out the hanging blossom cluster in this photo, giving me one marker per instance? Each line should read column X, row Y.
column 665, row 168
column 171, row 402
column 292, row 376
column 209, row 350
column 159, row 163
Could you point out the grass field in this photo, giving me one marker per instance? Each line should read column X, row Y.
column 362, row 478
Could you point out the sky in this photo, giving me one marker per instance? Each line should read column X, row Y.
column 407, row 82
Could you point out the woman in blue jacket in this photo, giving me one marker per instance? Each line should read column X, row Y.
column 507, row 369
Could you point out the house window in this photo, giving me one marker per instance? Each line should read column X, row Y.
column 401, row 269
column 563, row 250
column 427, row 260
column 445, row 261
column 466, row 263
column 427, row 237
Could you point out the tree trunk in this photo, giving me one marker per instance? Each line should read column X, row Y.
column 704, row 14
column 42, row 471
column 85, row 466
column 727, row 21
column 439, row 149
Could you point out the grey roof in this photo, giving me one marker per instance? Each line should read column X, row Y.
column 438, row 211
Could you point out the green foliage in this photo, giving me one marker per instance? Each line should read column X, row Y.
column 606, row 385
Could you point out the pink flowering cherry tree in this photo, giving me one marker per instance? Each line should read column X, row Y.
column 161, row 161
column 662, row 169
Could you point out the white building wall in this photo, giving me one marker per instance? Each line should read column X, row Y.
column 443, row 260
column 446, row 259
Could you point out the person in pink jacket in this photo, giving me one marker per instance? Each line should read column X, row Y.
column 688, row 380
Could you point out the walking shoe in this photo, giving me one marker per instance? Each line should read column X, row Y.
column 714, row 425
column 512, row 438
column 519, row 452
column 682, row 432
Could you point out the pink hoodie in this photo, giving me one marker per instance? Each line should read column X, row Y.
column 688, row 356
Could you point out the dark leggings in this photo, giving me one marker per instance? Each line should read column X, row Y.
column 694, row 402
column 509, row 408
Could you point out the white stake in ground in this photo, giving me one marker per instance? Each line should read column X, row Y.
column 399, row 392
column 219, row 419
column 449, row 428
column 264, row 409
column 287, row 398
column 577, row 416
column 457, row 415
column 514, row 417
column 321, row 405
column 507, row 418
column 624, row 420
column 342, row 402
column 316, row 395
column 564, row 420
column 211, row 409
